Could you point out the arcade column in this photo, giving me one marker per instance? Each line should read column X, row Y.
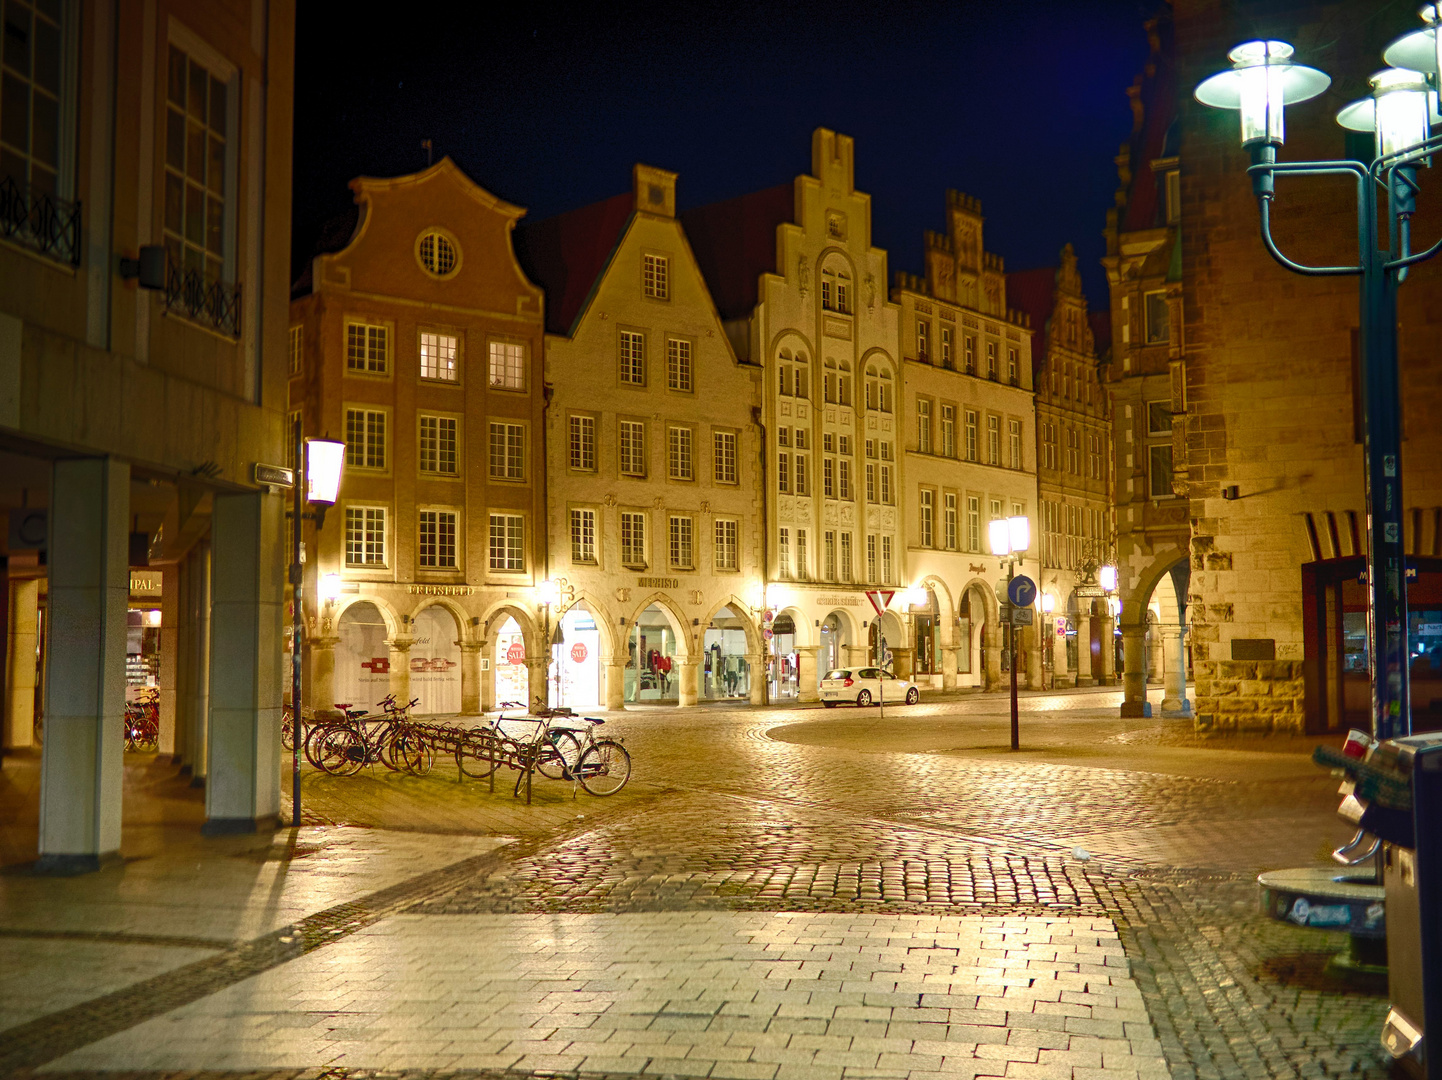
column 1174, row 688
column 21, row 646
column 470, row 677
column 806, row 677
column 1134, row 678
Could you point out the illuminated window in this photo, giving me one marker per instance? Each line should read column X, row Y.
column 438, row 357
column 508, row 542
column 365, row 536
column 508, row 365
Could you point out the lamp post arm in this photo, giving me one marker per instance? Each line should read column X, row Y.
column 1264, row 209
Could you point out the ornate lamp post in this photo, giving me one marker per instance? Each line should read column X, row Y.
column 1263, row 80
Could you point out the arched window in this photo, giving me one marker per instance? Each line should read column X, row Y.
column 792, row 373
column 843, row 385
column 878, row 389
column 828, row 375
column 836, row 290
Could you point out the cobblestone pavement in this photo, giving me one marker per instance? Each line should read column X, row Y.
column 1132, row 833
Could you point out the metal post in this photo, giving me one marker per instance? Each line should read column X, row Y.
column 297, row 620
column 1011, row 632
column 881, row 670
column 1382, row 446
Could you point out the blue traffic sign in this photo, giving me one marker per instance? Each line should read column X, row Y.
column 1021, row 591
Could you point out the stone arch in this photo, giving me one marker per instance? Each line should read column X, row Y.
column 685, row 637
column 836, row 257
column 754, row 643
column 602, row 615
column 464, row 630
column 495, row 616
column 805, row 633
column 389, row 614
column 988, row 594
column 985, row 662
column 1136, row 592
column 784, row 339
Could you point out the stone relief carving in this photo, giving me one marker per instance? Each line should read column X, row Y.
column 873, row 517
column 705, row 506
column 848, row 514
column 830, row 513
column 658, row 502
column 803, row 273
column 870, row 292
column 623, row 596
column 697, row 596
column 609, row 501
column 888, row 519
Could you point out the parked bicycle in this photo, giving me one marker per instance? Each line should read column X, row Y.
column 142, row 724
column 344, row 746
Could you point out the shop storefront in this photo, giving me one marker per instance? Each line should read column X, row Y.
column 435, row 662
column 651, row 673
column 362, row 658
column 783, row 659
column 513, row 680
column 576, row 671
column 724, row 670
column 926, row 625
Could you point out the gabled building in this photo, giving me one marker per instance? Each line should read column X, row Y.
column 653, row 462
column 1146, row 380
column 419, row 341
column 969, row 446
column 1073, row 440
column 803, row 293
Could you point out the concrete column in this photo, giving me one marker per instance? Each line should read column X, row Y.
column 470, row 677
column 1106, row 630
column 1033, row 656
column 903, row 661
column 948, row 667
column 169, row 655
column 242, row 791
column 399, row 655
column 686, row 686
column 1134, row 678
column 200, row 595
column 756, row 670
column 81, row 766
column 183, row 674
column 992, row 640
column 536, row 680
column 1084, row 645
column 1156, row 654
column 615, row 681
column 320, row 690
column 21, row 644
column 806, row 677
column 1174, row 695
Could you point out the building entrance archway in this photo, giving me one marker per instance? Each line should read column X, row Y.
column 435, row 662
column 652, row 672
column 513, row 678
column 725, row 672
column 362, row 657
column 836, row 643
column 576, row 660
column 785, row 661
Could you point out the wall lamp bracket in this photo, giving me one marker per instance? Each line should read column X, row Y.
column 148, row 270
column 1230, row 492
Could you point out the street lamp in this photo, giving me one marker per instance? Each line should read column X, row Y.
column 1010, row 537
column 1400, row 112
column 321, row 462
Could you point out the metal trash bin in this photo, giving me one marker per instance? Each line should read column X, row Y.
column 1397, row 797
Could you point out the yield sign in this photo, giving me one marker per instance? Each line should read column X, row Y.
column 880, row 599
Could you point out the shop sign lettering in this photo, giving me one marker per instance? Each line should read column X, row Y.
column 839, row 601
column 658, row 583
column 578, row 652
column 516, row 654
column 441, row 590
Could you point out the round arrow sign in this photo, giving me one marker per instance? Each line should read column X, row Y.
column 1021, row 591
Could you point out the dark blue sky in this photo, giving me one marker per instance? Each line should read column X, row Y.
column 1020, row 102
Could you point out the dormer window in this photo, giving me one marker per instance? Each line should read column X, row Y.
column 836, row 292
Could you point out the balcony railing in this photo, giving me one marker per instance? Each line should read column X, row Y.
column 39, row 221
column 210, row 303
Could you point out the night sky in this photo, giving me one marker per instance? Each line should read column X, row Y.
column 1020, row 103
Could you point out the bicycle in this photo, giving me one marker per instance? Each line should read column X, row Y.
column 142, row 726
column 344, row 747
column 601, row 766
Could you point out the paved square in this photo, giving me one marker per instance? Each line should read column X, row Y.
column 749, row 996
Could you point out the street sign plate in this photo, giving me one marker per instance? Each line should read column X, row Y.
column 274, row 475
column 1021, row 591
column 880, row 599
column 1021, row 616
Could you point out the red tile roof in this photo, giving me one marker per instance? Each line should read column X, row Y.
column 735, row 242
column 567, row 254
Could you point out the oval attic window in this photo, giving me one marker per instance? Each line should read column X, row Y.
column 437, row 253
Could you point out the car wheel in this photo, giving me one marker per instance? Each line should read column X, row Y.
column 864, row 698
column 913, row 695
column 829, row 704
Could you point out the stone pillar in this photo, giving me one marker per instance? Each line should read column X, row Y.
column 615, row 667
column 321, row 688
column 686, row 690
column 1156, row 653
column 1134, row 678
column 948, row 667
column 169, row 655
column 488, row 677
column 857, row 655
column 756, row 670
column 470, row 677
column 903, row 661
column 1033, row 655
column 806, row 678
column 200, row 665
column 993, row 637
column 1084, row 645
column 536, row 680
column 21, row 644
column 242, row 791
column 81, row 766
column 1174, row 695
column 399, row 656
column 1106, row 627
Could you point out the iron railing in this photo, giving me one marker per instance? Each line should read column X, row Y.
column 211, row 303
column 40, row 221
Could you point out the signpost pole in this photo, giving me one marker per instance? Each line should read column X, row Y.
column 1011, row 628
column 297, row 622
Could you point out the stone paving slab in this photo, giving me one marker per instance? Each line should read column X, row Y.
column 723, row 994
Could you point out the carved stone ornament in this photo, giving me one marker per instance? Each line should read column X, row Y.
column 870, row 292
column 784, row 509
column 829, row 514
column 803, row 274
column 623, row 596
column 705, row 506
column 888, row 519
column 658, row 502
column 873, row 517
column 848, row 514
column 609, row 500
column 696, row 597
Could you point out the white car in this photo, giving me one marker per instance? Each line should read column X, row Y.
column 864, row 686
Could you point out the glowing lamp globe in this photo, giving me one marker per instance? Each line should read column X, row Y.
column 324, row 463
column 1420, row 50
column 1398, row 112
column 1107, row 576
column 1262, row 81
column 998, row 536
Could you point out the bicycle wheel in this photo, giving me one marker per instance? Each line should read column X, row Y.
column 336, row 749
column 604, row 768
column 411, row 751
column 559, row 755
column 476, row 757
column 381, row 742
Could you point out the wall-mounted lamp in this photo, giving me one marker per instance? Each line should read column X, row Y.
column 330, row 587
column 1231, row 492
column 148, row 270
